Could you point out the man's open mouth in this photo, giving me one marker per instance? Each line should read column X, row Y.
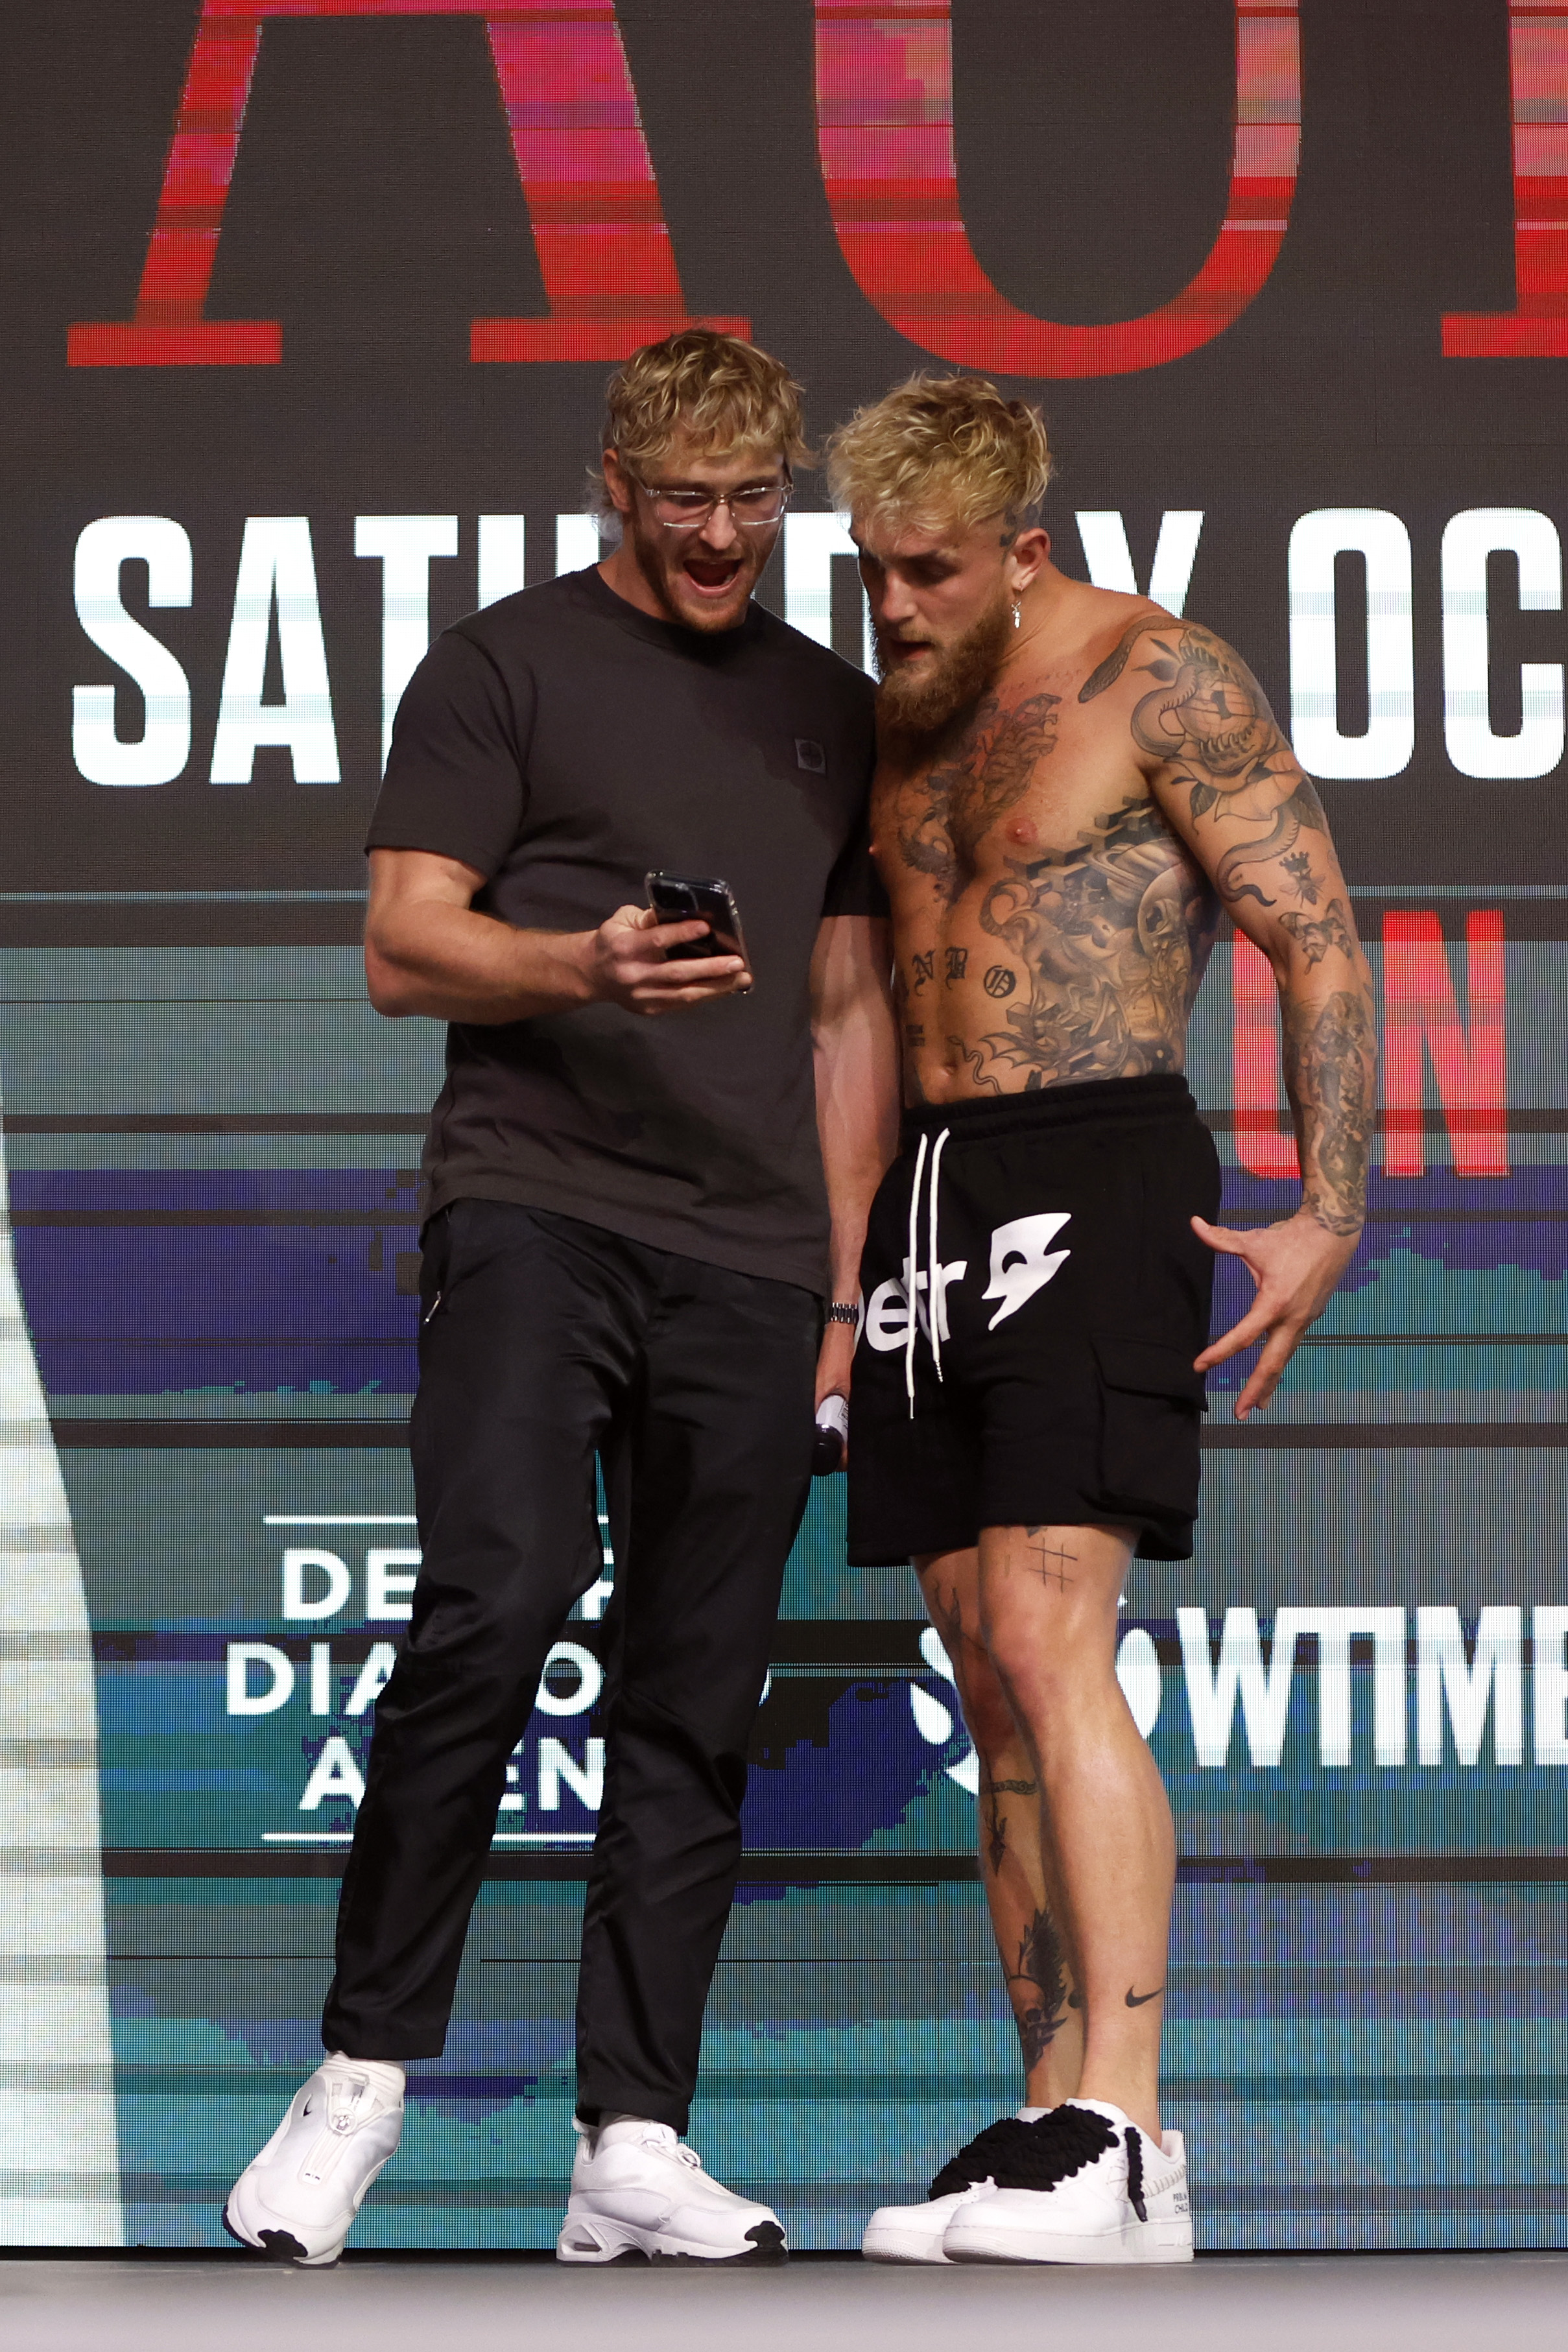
column 711, row 579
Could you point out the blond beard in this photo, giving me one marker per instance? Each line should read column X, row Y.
column 911, row 708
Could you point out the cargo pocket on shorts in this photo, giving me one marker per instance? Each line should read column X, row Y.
column 1151, row 1407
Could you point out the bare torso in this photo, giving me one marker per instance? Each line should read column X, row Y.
column 1049, row 925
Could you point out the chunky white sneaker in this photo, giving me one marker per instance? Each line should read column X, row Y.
column 297, row 2200
column 1086, row 2186
column 637, row 2191
column 914, row 2233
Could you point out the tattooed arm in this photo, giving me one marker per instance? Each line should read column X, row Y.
column 1228, row 783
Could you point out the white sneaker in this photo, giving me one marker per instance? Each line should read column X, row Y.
column 914, row 2233
column 637, row 2191
column 1087, row 2186
column 297, row 2200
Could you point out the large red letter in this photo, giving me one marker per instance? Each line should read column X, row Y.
column 603, row 249
column 884, row 101
column 1537, row 326
column 1420, row 1011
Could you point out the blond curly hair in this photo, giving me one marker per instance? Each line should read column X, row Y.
column 714, row 390
column 941, row 449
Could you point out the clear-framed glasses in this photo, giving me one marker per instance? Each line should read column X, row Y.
column 754, row 506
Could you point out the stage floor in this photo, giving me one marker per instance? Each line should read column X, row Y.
column 1354, row 2303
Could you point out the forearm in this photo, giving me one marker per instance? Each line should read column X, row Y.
column 855, row 1055
column 857, row 1122
column 1331, row 1078
column 851, row 1188
column 452, row 963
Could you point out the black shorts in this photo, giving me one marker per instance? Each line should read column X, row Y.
column 1058, row 1387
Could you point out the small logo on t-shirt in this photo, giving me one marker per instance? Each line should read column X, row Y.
column 810, row 756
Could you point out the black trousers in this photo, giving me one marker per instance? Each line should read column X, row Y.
column 545, row 1340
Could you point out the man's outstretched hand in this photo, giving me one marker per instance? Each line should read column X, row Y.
column 1296, row 1265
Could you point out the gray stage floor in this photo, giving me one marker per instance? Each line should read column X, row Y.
column 1350, row 2302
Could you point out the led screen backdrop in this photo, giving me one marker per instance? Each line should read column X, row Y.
column 309, row 305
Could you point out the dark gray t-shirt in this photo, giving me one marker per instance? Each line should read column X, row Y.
column 562, row 743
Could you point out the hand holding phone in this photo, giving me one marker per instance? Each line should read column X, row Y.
column 631, row 961
column 690, row 898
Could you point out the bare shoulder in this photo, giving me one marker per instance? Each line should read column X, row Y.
column 1186, row 697
column 1116, row 627
column 1153, row 645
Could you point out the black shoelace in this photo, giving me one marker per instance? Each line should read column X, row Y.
column 985, row 2158
column 1134, row 2145
column 1068, row 2140
column 1016, row 2155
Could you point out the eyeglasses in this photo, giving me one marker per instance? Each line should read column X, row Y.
column 754, row 508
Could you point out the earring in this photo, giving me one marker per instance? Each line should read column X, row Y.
column 1018, row 617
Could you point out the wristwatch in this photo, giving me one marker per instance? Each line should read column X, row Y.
column 843, row 1310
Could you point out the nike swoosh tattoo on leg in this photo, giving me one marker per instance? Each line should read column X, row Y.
column 1138, row 1999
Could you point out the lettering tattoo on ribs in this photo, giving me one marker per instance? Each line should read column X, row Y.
column 1112, row 936
column 942, row 817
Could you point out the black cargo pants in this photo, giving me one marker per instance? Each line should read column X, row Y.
column 545, row 1340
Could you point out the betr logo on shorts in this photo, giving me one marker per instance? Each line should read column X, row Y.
column 1021, row 1263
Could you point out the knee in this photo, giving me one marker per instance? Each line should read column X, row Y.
column 1040, row 1675
column 988, row 1711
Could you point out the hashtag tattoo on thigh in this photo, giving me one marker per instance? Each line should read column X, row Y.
column 1043, row 1553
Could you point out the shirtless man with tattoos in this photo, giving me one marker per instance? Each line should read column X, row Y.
column 1073, row 787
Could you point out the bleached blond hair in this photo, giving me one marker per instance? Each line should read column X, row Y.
column 715, row 390
column 939, row 451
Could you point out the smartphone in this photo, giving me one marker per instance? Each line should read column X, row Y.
column 690, row 898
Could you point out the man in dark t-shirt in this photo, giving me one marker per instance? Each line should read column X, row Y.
column 646, row 1177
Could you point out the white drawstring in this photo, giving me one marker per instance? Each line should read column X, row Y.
column 910, row 1275
column 933, row 1277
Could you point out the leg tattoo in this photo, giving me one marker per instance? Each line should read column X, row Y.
column 1038, row 1989
column 947, row 1615
column 1043, row 1553
column 995, row 1836
column 991, row 1792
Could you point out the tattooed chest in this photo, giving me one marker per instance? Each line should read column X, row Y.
column 940, row 819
